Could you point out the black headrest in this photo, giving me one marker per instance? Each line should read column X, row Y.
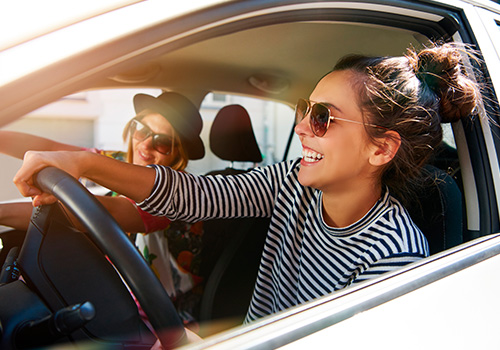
column 232, row 137
column 437, row 210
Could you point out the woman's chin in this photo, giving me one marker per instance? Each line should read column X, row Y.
column 305, row 177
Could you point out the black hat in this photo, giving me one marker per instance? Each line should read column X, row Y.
column 181, row 113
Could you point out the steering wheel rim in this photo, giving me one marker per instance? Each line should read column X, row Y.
column 141, row 280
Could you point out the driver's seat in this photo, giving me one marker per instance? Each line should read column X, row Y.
column 232, row 247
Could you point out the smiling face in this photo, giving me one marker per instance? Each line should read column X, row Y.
column 143, row 151
column 340, row 160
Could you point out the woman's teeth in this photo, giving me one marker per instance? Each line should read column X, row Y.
column 143, row 155
column 311, row 156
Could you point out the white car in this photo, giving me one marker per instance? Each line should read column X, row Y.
column 269, row 50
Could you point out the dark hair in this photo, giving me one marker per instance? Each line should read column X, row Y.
column 412, row 95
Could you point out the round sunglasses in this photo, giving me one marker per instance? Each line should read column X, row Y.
column 162, row 143
column 320, row 117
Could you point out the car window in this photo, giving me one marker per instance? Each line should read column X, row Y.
column 97, row 118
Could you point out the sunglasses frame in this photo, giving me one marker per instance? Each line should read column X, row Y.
column 310, row 105
column 150, row 133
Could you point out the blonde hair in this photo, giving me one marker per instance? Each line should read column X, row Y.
column 181, row 159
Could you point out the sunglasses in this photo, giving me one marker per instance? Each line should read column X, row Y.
column 320, row 116
column 162, row 143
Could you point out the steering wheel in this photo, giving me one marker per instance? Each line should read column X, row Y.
column 103, row 230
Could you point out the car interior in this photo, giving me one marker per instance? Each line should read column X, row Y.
column 277, row 56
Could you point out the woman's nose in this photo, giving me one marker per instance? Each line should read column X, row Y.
column 303, row 127
column 148, row 141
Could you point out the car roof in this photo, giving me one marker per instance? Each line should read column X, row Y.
column 29, row 59
column 26, row 20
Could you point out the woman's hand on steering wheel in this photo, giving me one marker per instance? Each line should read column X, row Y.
column 36, row 161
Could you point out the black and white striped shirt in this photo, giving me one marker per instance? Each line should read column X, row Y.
column 303, row 258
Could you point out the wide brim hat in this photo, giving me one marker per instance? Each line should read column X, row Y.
column 181, row 113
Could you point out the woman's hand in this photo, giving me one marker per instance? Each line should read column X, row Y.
column 36, row 161
column 133, row 181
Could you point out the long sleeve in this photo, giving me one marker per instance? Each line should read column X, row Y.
column 182, row 196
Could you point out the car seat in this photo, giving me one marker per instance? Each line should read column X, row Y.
column 438, row 210
column 232, row 247
column 232, row 138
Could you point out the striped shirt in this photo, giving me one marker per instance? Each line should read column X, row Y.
column 303, row 258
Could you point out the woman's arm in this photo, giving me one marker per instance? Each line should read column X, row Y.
column 130, row 180
column 124, row 212
column 16, row 215
column 16, row 144
column 191, row 198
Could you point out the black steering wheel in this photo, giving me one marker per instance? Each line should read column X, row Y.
column 103, row 230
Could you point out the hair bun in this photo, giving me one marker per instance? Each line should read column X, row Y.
column 440, row 69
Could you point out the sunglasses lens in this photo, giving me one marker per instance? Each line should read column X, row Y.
column 320, row 116
column 162, row 143
column 141, row 131
column 300, row 110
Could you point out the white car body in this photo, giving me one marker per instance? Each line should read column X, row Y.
column 447, row 301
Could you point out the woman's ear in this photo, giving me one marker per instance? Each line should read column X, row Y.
column 385, row 148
